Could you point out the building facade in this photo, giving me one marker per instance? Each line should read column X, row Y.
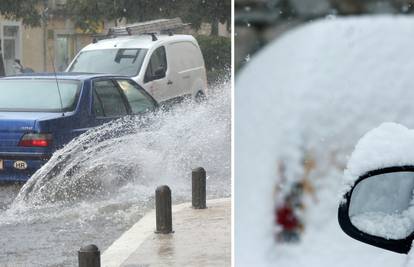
column 53, row 45
column 46, row 48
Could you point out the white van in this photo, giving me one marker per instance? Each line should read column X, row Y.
column 169, row 67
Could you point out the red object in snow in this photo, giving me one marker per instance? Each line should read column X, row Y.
column 286, row 218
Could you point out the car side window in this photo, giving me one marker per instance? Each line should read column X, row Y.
column 108, row 101
column 138, row 100
column 97, row 105
column 157, row 67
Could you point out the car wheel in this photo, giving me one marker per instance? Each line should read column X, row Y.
column 200, row 97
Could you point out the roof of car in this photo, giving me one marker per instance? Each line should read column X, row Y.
column 136, row 41
column 61, row 75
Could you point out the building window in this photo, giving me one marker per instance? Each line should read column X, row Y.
column 64, row 51
column 10, row 43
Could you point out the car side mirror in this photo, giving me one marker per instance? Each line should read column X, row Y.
column 379, row 209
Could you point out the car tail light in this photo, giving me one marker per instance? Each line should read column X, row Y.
column 36, row 140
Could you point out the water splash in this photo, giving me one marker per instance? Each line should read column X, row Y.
column 104, row 181
column 131, row 152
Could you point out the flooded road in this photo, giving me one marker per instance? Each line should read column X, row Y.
column 102, row 183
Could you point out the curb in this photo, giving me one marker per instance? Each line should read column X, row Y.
column 131, row 240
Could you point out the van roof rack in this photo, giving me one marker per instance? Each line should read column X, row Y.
column 153, row 35
column 152, row 27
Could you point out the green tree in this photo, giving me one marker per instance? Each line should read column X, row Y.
column 209, row 11
column 88, row 14
column 26, row 10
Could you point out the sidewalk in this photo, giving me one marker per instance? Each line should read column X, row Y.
column 200, row 238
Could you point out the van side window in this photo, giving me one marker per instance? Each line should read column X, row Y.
column 157, row 67
column 110, row 100
column 138, row 100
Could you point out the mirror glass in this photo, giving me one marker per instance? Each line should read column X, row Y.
column 383, row 205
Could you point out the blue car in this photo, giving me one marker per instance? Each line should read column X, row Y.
column 40, row 113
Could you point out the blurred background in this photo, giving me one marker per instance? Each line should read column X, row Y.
column 259, row 21
column 312, row 78
column 36, row 33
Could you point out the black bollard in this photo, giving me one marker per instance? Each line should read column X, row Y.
column 89, row 256
column 199, row 188
column 163, row 210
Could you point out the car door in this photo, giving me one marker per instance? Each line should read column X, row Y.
column 138, row 99
column 108, row 102
column 156, row 79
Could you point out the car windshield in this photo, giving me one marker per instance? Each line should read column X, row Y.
column 115, row 61
column 38, row 95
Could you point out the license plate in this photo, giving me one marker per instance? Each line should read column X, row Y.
column 1, row 165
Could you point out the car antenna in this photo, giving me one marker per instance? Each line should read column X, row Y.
column 57, row 84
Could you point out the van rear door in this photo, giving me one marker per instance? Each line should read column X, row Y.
column 177, row 58
column 187, row 65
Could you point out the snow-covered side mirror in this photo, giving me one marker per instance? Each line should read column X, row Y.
column 379, row 209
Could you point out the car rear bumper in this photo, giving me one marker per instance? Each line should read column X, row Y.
column 13, row 164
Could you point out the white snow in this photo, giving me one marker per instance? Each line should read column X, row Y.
column 388, row 145
column 389, row 226
column 313, row 93
column 410, row 258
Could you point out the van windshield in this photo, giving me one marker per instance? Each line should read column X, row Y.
column 114, row 61
column 40, row 95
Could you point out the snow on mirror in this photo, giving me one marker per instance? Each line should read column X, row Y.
column 383, row 205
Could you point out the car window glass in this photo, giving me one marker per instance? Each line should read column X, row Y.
column 110, row 97
column 97, row 106
column 158, row 61
column 137, row 99
column 39, row 95
column 119, row 61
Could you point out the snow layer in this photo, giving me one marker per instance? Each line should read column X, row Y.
column 388, row 145
column 389, row 226
column 313, row 93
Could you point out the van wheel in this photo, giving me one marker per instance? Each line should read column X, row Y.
column 200, row 97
